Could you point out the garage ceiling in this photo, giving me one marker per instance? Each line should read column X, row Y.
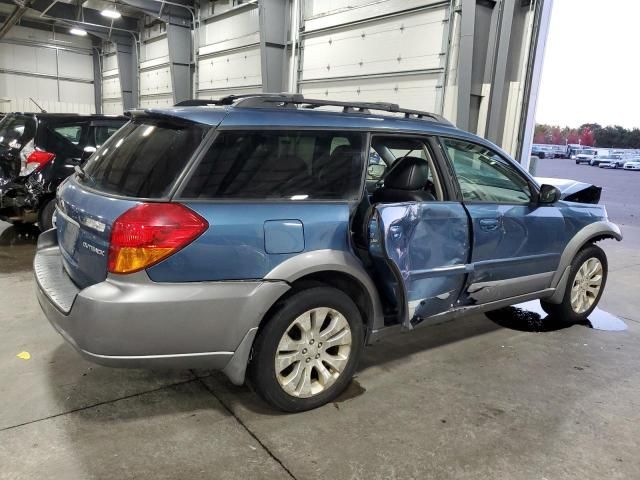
column 86, row 14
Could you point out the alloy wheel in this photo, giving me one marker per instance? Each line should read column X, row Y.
column 586, row 285
column 313, row 352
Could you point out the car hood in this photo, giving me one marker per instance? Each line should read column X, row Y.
column 572, row 190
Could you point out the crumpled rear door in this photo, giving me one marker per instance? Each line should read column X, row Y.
column 420, row 251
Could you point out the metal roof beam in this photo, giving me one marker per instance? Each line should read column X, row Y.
column 66, row 11
column 170, row 12
column 14, row 17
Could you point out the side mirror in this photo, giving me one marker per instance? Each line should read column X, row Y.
column 87, row 152
column 548, row 195
column 376, row 171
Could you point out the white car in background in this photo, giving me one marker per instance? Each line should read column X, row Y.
column 633, row 165
column 586, row 156
column 609, row 162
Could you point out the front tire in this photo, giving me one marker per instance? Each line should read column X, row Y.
column 308, row 350
column 45, row 216
column 587, row 279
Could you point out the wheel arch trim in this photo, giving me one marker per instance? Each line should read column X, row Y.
column 296, row 268
column 320, row 261
column 589, row 234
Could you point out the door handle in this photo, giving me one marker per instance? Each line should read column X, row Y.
column 489, row 224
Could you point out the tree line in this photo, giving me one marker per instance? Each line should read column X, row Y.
column 589, row 134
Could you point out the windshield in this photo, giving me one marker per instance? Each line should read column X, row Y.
column 16, row 131
column 144, row 158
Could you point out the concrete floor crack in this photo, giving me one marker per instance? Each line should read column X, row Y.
column 106, row 402
column 247, row 429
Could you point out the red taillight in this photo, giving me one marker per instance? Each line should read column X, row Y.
column 40, row 158
column 150, row 232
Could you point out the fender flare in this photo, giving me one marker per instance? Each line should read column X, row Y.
column 597, row 230
column 341, row 261
column 298, row 267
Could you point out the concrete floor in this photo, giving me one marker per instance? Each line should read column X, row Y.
column 466, row 399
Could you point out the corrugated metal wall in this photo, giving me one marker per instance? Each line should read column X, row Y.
column 55, row 69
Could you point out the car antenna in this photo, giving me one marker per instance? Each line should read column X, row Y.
column 42, row 110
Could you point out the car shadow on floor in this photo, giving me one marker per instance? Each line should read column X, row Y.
column 79, row 386
column 105, row 385
column 391, row 351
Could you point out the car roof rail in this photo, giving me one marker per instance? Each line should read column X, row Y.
column 228, row 100
column 296, row 100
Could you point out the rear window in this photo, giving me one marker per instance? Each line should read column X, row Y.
column 144, row 158
column 16, row 131
column 302, row 165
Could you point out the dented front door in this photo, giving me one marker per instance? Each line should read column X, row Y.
column 424, row 247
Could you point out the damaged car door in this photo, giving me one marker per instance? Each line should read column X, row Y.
column 419, row 237
column 517, row 242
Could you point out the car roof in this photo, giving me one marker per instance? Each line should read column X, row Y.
column 97, row 116
column 295, row 111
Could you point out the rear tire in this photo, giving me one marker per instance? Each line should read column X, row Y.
column 45, row 216
column 290, row 367
column 587, row 279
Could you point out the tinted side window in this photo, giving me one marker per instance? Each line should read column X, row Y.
column 70, row 132
column 484, row 176
column 62, row 139
column 102, row 134
column 275, row 165
column 144, row 158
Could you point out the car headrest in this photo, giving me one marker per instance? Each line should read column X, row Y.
column 409, row 173
column 341, row 152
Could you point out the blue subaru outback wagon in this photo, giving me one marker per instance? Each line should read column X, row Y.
column 273, row 236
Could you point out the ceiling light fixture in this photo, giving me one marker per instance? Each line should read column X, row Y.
column 78, row 31
column 110, row 13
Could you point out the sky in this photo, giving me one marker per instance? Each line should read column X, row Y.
column 591, row 71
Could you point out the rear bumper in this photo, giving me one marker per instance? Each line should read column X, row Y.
column 130, row 321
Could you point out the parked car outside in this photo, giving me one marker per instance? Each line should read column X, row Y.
column 586, row 156
column 613, row 161
column 254, row 238
column 37, row 152
column 633, row 165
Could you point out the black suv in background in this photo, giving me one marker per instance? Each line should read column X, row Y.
column 37, row 152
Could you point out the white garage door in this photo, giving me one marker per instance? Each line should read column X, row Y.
column 378, row 52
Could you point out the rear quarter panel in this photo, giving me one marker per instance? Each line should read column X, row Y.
column 233, row 248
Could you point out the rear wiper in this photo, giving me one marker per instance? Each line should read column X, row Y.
column 82, row 174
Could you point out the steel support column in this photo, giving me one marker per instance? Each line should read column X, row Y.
column 97, row 80
column 180, row 48
column 127, row 67
column 465, row 62
column 534, row 75
column 273, row 33
column 499, row 81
